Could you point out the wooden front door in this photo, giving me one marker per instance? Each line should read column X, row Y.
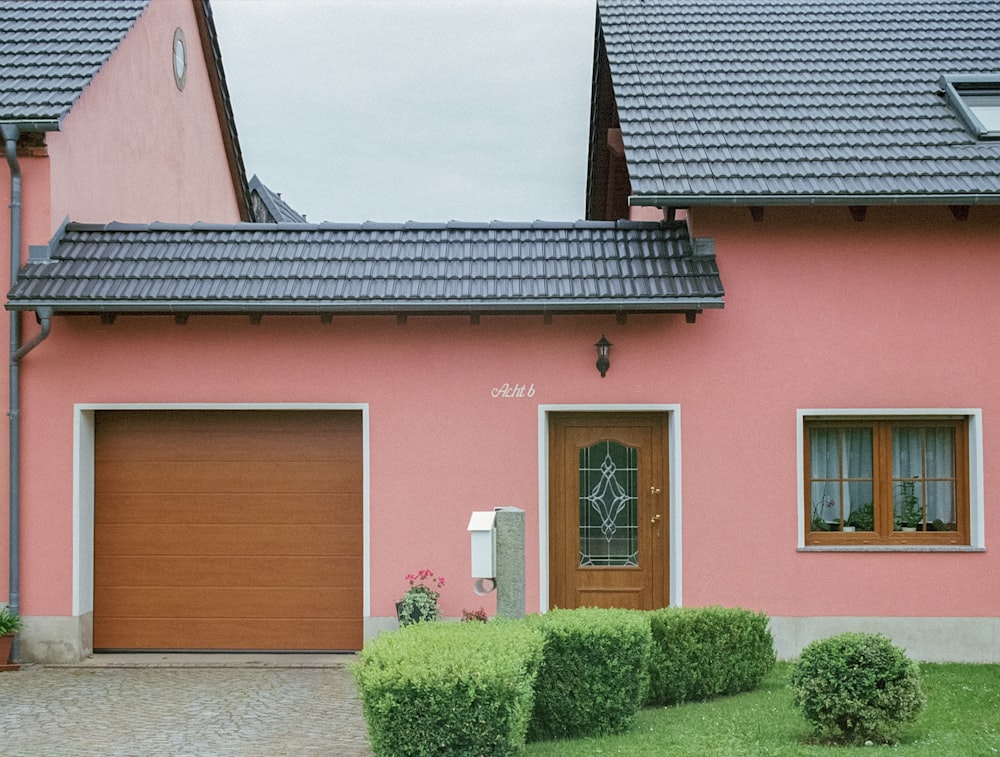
column 608, row 510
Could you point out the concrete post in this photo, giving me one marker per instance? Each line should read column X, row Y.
column 510, row 562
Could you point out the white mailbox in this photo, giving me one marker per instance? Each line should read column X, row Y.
column 483, row 532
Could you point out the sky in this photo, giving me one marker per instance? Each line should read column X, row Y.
column 425, row 110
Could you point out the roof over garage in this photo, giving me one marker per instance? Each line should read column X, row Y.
column 371, row 268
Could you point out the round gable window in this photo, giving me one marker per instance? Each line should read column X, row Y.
column 180, row 59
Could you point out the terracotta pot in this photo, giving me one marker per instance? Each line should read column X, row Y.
column 6, row 642
column 414, row 616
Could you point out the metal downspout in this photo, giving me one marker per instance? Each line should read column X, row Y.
column 44, row 315
column 11, row 133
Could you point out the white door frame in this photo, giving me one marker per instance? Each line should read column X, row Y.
column 83, row 484
column 673, row 412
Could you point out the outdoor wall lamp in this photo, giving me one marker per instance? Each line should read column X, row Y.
column 603, row 350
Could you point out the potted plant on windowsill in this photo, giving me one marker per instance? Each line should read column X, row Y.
column 819, row 521
column 862, row 519
column 10, row 624
column 912, row 515
column 420, row 602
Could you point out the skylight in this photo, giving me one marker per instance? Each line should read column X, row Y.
column 986, row 108
column 976, row 100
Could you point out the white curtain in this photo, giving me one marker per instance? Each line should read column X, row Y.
column 926, row 456
column 842, row 473
column 843, row 457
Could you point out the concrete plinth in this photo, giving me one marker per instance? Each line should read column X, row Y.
column 510, row 562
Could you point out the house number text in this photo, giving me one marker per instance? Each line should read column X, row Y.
column 513, row 391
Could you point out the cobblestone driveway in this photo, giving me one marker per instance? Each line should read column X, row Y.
column 243, row 708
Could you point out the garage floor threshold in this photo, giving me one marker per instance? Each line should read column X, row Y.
column 244, row 660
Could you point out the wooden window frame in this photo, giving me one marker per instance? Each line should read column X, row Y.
column 884, row 533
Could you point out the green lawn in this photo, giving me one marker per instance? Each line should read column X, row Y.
column 962, row 719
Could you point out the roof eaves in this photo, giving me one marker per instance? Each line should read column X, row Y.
column 355, row 307
column 686, row 201
column 33, row 125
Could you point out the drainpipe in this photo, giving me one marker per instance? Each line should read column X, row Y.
column 18, row 351
column 44, row 315
column 11, row 133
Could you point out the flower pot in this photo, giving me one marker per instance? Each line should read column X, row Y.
column 6, row 642
column 405, row 619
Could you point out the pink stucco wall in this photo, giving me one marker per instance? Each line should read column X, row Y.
column 826, row 312
column 35, row 226
column 821, row 312
column 133, row 148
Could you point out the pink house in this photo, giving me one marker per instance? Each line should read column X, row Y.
column 243, row 436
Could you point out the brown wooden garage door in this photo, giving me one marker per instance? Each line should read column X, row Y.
column 228, row 530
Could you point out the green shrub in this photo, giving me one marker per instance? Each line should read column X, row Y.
column 856, row 687
column 449, row 688
column 700, row 653
column 10, row 622
column 594, row 672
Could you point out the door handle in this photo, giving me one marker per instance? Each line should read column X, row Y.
column 655, row 519
column 654, row 490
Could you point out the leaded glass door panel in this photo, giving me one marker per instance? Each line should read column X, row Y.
column 609, row 505
column 608, row 510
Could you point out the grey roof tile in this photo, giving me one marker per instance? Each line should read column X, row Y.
column 51, row 49
column 799, row 97
column 371, row 268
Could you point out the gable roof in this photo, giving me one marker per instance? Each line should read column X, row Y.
column 269, row 207
column 795, row 101
column 223, row 104
column 590, row 267
column 50, row 51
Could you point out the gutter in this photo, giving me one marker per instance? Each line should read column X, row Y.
column 687, row 201
column 388, row 307
column 11, row 132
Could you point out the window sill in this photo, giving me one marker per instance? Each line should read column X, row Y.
column 891, row 548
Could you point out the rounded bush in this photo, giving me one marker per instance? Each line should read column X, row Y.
column 704, row 652
column 449, row 689
column 594, row 673
column 857, row 687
